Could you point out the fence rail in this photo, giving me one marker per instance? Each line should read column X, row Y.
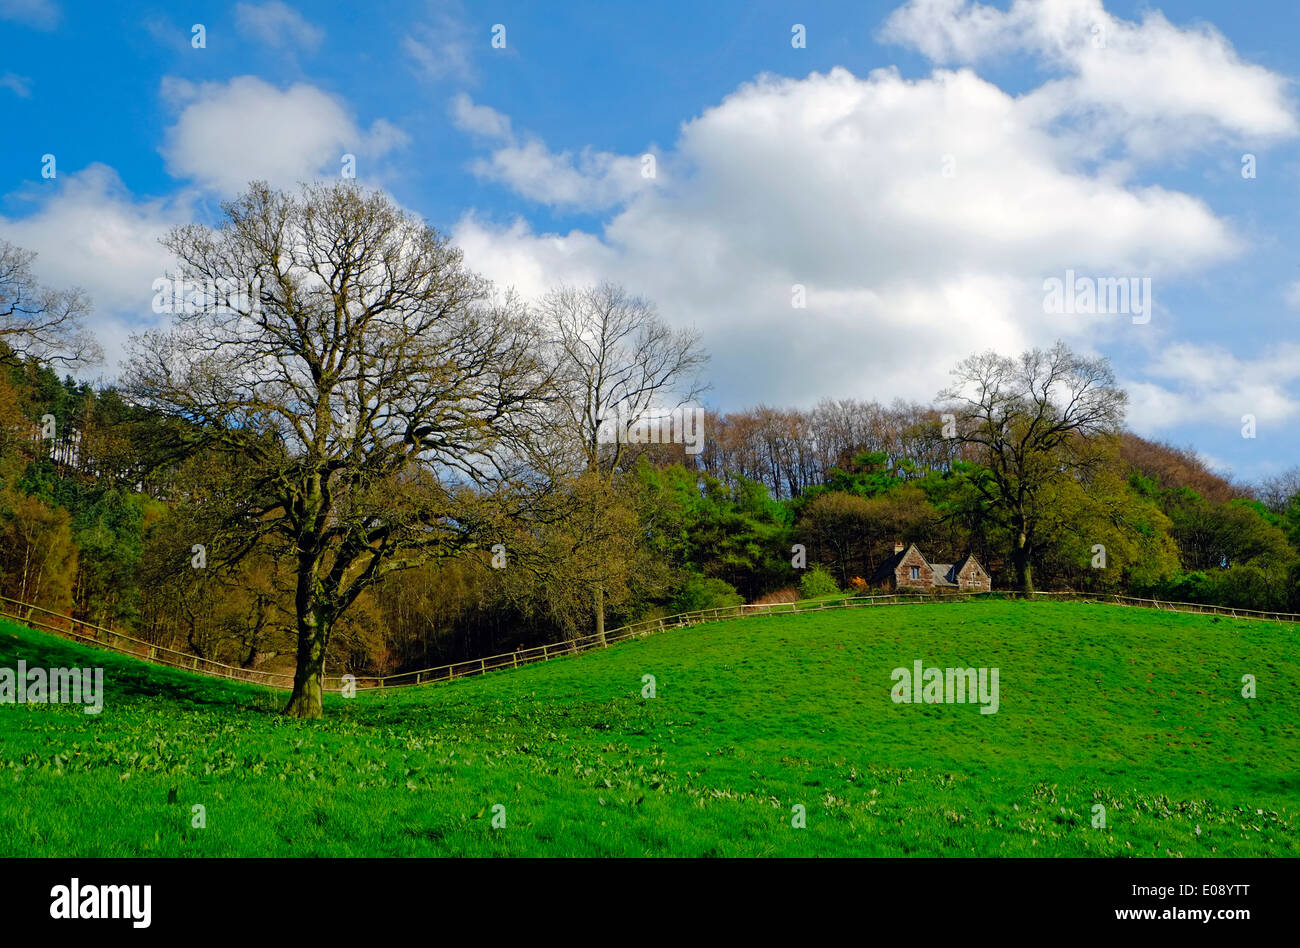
column 123, row 644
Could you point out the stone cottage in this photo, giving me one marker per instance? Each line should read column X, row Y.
column 909, row 569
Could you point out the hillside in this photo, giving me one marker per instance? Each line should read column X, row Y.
column 1140, row 711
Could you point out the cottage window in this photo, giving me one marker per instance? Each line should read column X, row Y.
column 916, row 572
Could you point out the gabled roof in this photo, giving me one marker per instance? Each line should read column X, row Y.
column 886, row 569
column 961, row 565
column 945, row 574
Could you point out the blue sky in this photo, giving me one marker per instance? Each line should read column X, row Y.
column 920, row 168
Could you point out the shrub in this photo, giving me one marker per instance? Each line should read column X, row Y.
column 702, row 592
column 1186, row 587
column 817, row 582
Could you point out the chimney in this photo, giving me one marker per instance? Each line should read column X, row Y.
column 898, row 546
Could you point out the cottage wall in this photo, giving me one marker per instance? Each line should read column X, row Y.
column 972, row 577
column 903, row 571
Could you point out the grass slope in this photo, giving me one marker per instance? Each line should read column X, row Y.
column 1140, row 711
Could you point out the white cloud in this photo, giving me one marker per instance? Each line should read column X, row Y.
column 479, row 120
column 277, row 24
column 382, row 137
column 20, row 86
column 439, row 48
column 956, row 31
column 836, row 182
column 1200, row 385
column 531, row 262
column 176, row 92
column 589, row 180
column 41, row 14
column 1160, row 86
column 437, row 61
column 228, row 134
column 90, row 232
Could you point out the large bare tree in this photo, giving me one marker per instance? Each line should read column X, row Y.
column 617, row 362
column 368, row 386
column 1032, row 420
column 37, row 321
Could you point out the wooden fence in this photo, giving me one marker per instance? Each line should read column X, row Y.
column 124, row 644
column 77, row 630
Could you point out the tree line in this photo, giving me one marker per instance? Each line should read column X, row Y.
column 365, row 455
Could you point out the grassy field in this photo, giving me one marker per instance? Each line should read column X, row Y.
column 1137, row 710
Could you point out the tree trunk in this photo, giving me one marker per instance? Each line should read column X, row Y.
column 1024, row 568
column 600, row 615
column 309, row 677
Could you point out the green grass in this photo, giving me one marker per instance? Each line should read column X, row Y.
column 1138, row 710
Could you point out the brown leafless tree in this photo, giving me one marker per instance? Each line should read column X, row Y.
column 617, row 362
column 1032, row 419
column 367, row 386
column 39, row 322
